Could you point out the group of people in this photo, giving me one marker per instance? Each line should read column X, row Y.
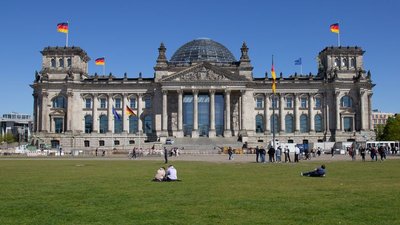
column 170, row 174
column 275, row 155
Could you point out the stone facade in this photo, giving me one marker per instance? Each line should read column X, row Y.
column 77, row 110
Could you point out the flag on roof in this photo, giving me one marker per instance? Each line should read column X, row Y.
column 335, row 28
column 297, row 62
column 62, row 27
column 273, row 77
column 100, row 61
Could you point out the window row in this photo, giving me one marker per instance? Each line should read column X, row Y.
column 289, row 123
column 103, row 103
column 344, row 62
column 289, row 102
column 118, row 126
column 60, row 62
column 86, row 143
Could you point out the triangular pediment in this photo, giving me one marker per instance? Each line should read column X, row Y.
column 203, row 72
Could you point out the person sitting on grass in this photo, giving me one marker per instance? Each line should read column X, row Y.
column 318, row 172
column 160, row 175
column 171, row 174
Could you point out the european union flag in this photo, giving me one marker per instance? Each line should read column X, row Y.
column 297, row 62
column 116, row 115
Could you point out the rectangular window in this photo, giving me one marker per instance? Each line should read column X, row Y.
column 58, row 123
column 348, row 124
column 101, row 143
column 289, row 102
column 117, row 103
column 275, row 103
column 116, row 142
column 103, row 103
column 303, row 102
column 259, row 103
column 132, row 103
column 147, row 103
column 318, row 103
column 88, row 103
column 86, row 143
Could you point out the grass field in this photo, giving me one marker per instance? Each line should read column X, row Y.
column 120, row 192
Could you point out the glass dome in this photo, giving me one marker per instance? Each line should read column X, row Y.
column 200, row 50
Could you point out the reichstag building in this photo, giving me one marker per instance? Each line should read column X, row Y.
column 202, row 91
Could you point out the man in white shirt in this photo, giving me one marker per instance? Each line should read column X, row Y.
column 296, row 154
column 171, row 173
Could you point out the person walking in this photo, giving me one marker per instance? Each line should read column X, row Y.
column 263, row 152
column 287, row 154
column 230, row 153
column 278, row 153
column 257, row 153
column 165, row 155
column 271, row 154
column 296, row 154
column 362, row 153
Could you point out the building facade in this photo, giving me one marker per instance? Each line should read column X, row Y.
column 379, row 118
column 201, row 91
column 17, row 124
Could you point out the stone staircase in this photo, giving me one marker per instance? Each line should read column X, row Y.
column 204, row 145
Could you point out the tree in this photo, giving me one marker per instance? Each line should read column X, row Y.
column 9, row 138
column 391, row 131
column 379, row 132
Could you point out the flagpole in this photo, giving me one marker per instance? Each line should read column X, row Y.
column 104, row 66
column 338, row 35
column 66, row 41
column 301, row 68
column 273, row 107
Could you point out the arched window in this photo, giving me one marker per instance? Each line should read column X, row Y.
column 337, row 62
column 132, row 103
column 88, row 124
column 344, row 62
column 103, row 124
column 352, row 62
column 318, row 123
column 69, row 62
column 274, row 123
column 53, row 63
column 133, row 124
column 289, row 124
column 346, row 102
column 61, row 62
column 148, row 125
column 259, row 124
column 59, row 102
column 304, row 124
column 117, row 125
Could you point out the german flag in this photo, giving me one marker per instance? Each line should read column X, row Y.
column 62, row 27
column 100, row 61
column 129, row 111
column 273, row 78
column 335, row 28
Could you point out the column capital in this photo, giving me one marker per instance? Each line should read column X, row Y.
column 70, row 94
column 212, row 91
column 195, row 91
column 227, row 92
column 179, row 91
column 164, row 92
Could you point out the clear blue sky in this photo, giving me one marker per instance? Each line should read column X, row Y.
column 128, row 34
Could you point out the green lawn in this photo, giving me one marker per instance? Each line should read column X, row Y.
column 120, row 192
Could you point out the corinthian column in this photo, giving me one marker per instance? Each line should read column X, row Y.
column 227, row 132
column 211, row 133
column 195, row 131
column 337, row 95
column 180, row 114
column 164, row 111
column 311, row 112
column 266, row 114
column 95, row 114
column 281, row 116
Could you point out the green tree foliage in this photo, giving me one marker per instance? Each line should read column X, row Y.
column 379, row 132
column 391, row 132
column 9, row 138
